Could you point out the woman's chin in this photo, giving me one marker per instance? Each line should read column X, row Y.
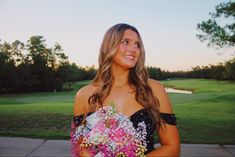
column 126, row 65
column 129, row 66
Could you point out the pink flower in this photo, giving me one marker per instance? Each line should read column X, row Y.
column 117, row 135
column 111, row 123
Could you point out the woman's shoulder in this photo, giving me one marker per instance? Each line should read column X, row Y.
column 155, row 84
column 86, row 90
column 159, row 91
column 81, row 98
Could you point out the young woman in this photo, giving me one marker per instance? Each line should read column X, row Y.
column 122, row 80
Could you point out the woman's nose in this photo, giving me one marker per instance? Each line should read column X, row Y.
column 132, row 48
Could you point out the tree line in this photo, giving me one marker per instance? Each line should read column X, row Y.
column 34, row 67
column 221, row 71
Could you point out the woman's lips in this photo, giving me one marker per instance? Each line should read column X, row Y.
column 130, row 57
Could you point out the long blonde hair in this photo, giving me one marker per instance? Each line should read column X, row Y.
column 137, row 76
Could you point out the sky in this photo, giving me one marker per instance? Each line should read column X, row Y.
column 168, row 28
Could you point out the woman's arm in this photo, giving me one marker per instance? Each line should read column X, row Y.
column 168, row 134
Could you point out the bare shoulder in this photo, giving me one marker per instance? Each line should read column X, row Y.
column 81, row 99
column 155, row 84
column 159, row 91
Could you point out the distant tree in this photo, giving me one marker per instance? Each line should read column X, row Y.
column 17, row 48
column 7, row 68
column 37, row 53
column 25, row 82
column 155, row 73
column 217, row 72
column 230, row 69
column 219, row 30
column 63, row 70
column 90, row 72
column 61, row 58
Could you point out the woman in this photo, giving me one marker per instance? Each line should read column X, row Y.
column 122, row 80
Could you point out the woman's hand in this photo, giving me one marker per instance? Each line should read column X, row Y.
column 85, row 153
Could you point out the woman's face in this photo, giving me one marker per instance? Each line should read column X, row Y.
column 128, row 51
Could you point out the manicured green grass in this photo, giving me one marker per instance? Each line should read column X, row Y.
column 39, row 115
column 206, row 116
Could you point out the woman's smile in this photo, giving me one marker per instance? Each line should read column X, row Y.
column 130, row 57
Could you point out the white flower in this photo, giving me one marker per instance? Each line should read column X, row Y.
column 93, row 119
column 100, row 154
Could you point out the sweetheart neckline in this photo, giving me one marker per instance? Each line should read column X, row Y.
column 140, row 110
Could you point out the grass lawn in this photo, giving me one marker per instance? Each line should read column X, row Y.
column 206, row 116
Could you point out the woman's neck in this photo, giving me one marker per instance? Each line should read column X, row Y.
column 120, row 76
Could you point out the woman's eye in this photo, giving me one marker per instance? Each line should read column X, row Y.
column 125, row 42
column 137, row 45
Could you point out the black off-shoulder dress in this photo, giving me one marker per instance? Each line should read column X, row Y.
column 139, row 117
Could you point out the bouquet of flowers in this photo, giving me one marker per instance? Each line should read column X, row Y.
column 108, row 134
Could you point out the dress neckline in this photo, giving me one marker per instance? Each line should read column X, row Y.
column 132, row 115
column 138, row 111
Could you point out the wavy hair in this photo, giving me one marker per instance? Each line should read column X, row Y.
column 138, row 76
